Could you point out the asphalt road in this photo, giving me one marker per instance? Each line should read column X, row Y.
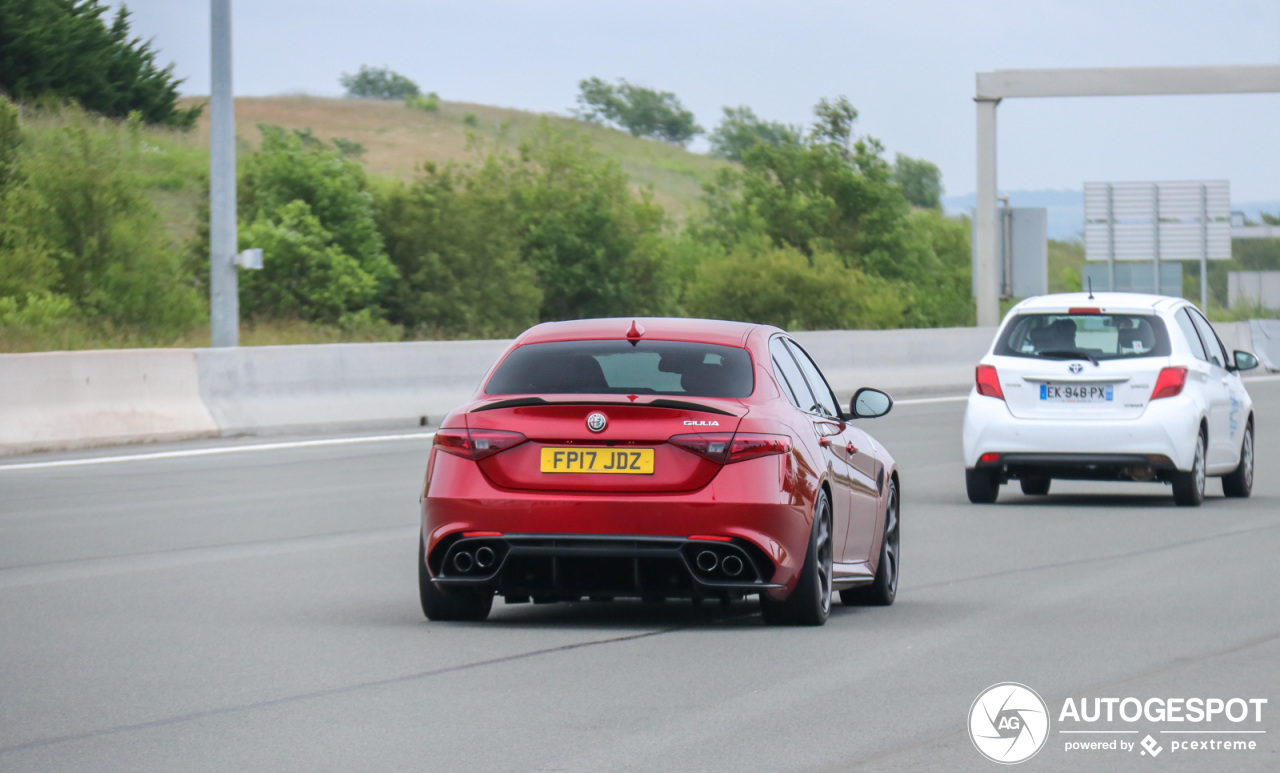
column 258, row 610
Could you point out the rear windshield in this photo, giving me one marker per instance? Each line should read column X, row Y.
column 1084, row 336
column 620, row 367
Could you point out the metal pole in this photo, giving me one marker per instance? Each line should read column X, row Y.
column 1006, row 248
column 1155, row 226
column 224, row 300
column 1111, row 238
column 1204, row 248
column 986, row 286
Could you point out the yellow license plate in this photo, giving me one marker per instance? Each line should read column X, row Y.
column 617, row 461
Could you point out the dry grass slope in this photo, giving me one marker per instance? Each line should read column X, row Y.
column 399, row 140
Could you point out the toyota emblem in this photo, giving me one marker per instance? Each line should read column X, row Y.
column 1075, row 367
column 596, row 422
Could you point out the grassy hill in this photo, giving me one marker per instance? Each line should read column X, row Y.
column 398, row 140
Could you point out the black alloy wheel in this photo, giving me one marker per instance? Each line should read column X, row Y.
column 1239, row 482
column 810, row 602
column 1188, row 487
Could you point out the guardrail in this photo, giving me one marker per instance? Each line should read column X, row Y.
column 65, row 400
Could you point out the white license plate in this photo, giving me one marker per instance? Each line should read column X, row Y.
column 1076, row 393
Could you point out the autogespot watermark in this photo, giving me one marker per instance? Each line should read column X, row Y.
column 1009, row 723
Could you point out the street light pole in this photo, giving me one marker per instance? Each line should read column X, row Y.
column 224, row 300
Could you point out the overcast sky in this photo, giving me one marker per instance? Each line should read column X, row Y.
column 907, row 65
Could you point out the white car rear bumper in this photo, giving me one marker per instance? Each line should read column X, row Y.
column 1167, row 427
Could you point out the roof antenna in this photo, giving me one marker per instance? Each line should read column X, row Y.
column 1090, row 288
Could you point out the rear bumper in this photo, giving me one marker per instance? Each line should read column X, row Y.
column 570, row 566
column 1140, row 467
column 1167, row 427
column 556, row 544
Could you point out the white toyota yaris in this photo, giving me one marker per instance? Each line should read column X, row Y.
column 1109, row 386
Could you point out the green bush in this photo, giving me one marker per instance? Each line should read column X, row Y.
column 452, row 237
column 378, row 83
column 292, row 183
column 428, row 104
column 305, row 274
column 781, row 286
column 81, row 224
column 470, row 119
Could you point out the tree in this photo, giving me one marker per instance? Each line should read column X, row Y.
column 453, row 236
column 920, row 180
column 378, row 83
column 81, row 225
column 64, row 49
column 641, row 111
column 833, row 194
column 303, row 198
column 740, row 129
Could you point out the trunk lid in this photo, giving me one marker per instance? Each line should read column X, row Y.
column 1036, row 388
column 557, row 425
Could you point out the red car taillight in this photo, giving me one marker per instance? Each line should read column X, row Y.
column 726, row 448
column 476, row 443
column 1169, row 383
column 988, row 381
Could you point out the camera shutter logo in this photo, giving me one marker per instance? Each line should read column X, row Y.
column 1008, row 723
column 596, row 422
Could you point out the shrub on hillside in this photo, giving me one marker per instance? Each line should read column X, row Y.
column 740, row 129
column 781, row 286
column 428, row 104
column 554, row 233
column 642, row 111
column 78, row 223
column 920, row 180
column 64, row 49
column 308, row 205
column 452, row 236
column 378, row 83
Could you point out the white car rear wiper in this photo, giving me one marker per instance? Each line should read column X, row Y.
column 1068, row 354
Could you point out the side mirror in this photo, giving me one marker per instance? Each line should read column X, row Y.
column 868, row 403
column 1245, row 361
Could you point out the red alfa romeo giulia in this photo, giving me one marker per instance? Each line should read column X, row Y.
column 658, row 458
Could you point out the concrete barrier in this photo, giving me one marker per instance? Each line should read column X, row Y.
column 61, row 400
column 1265, row 334
column 904, row 363
column 273, row 389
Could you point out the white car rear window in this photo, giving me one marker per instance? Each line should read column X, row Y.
column 1084, row 336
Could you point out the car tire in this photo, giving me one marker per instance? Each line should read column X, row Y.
column 1037, row 486
column 884, row 589
column 1188, row 487
column 449, row 603
column 810, row 602
column 1239, row 482
column 982, row 485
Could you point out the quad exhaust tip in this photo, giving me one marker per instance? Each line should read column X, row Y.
column 484, row 557
column 463, row 562
column 707, row 561
column 732, row 566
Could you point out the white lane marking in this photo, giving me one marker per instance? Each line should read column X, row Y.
column 923, row 400
column 303, row 444
column 216, row 451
